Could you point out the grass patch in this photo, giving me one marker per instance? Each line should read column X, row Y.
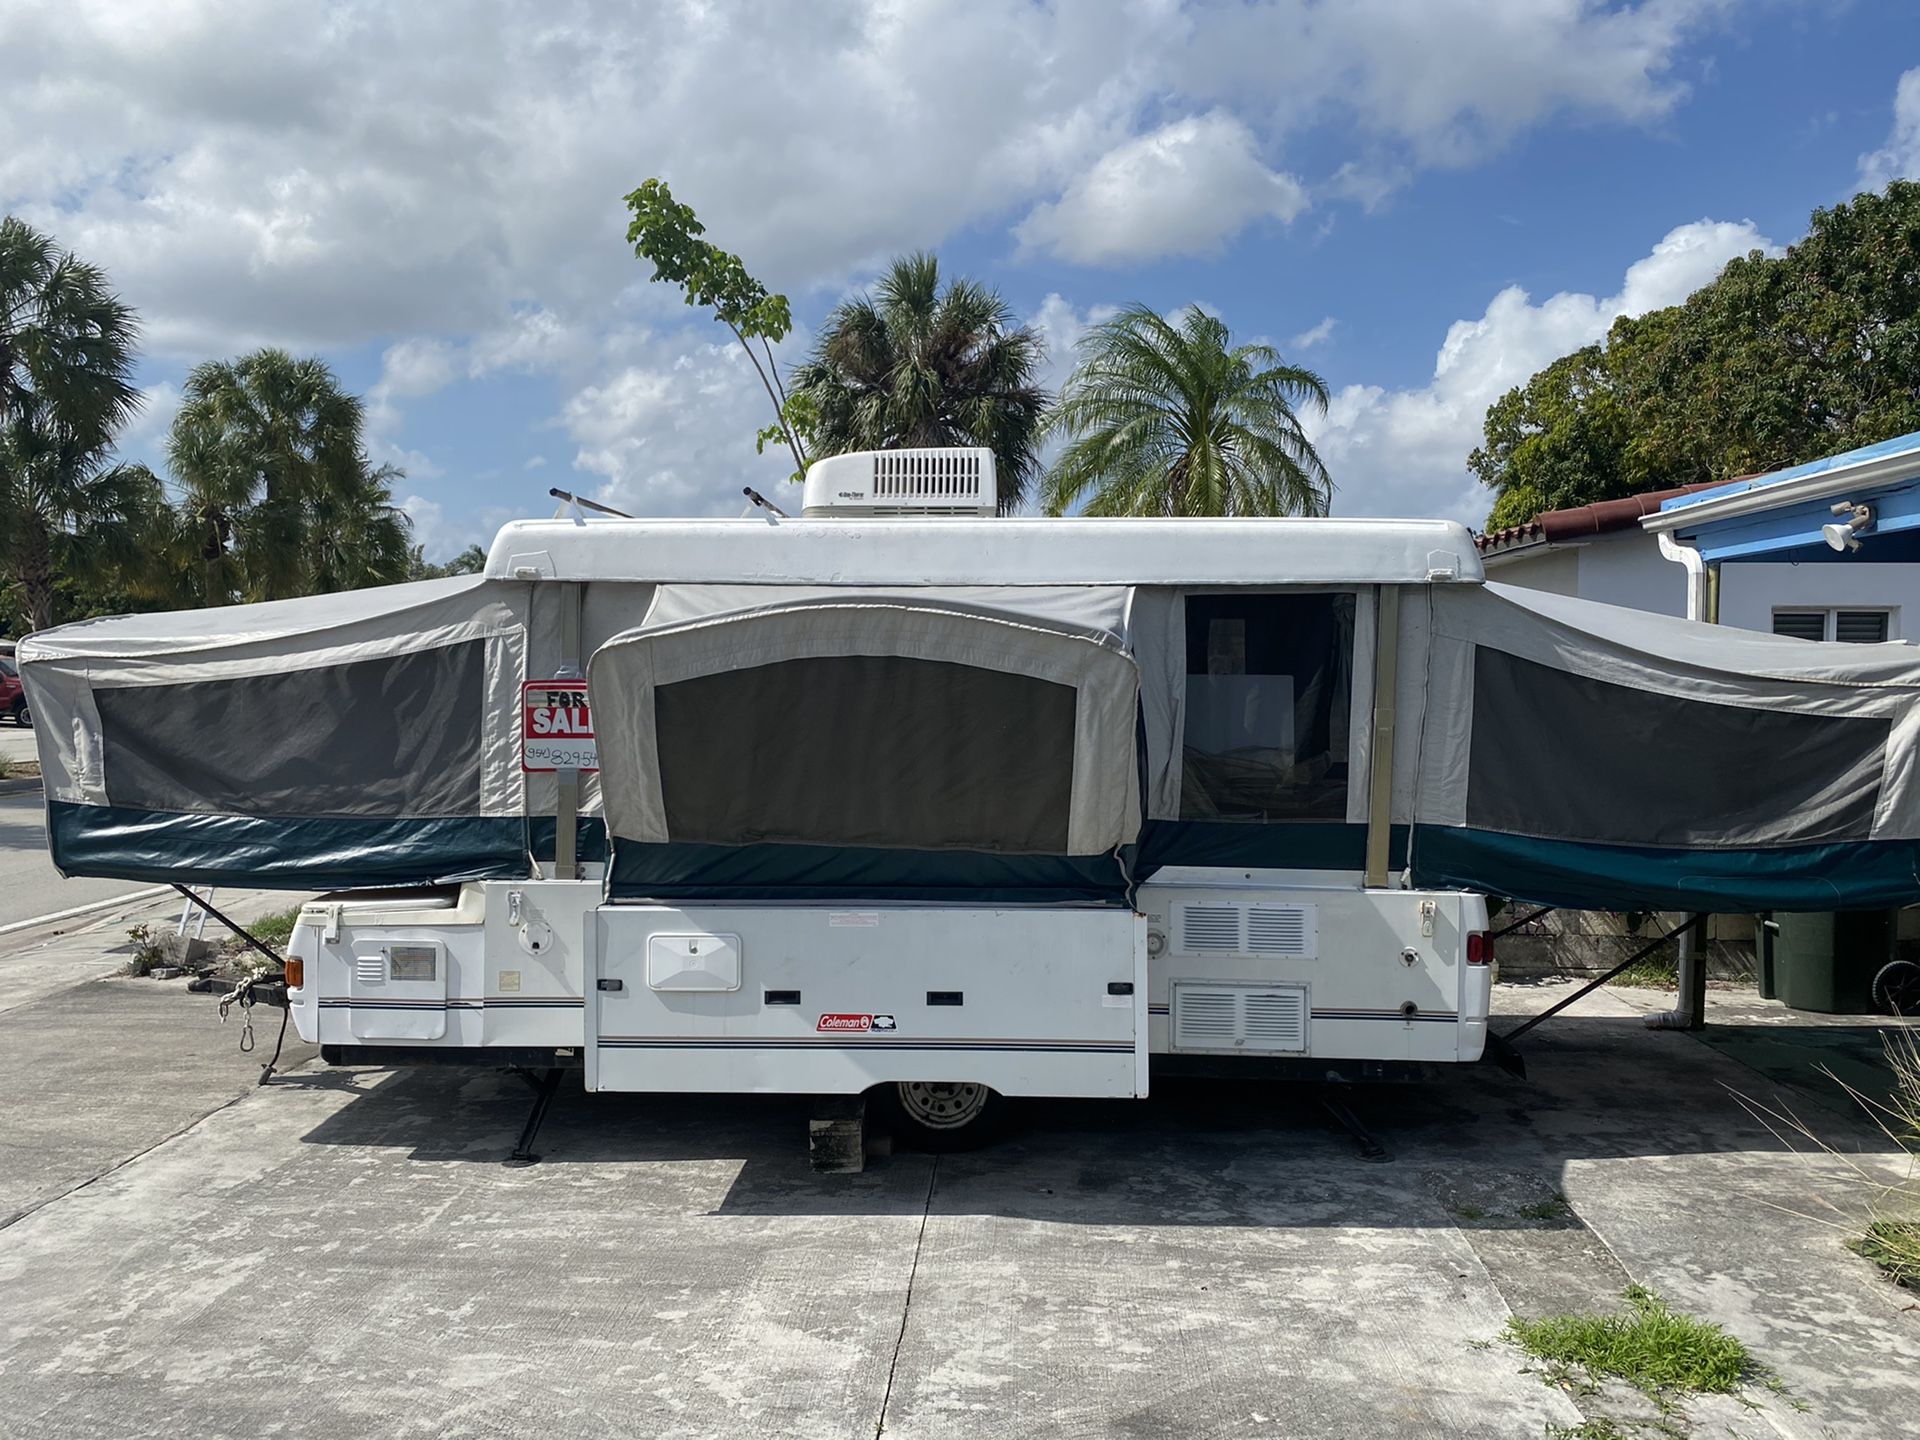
column 1553, row 1208
column 276, row 930
column 1659, row 971
column 1893, row 1245
column 1649, row 1347
column 1606, row 1428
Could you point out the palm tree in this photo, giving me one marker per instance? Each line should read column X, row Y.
column 66, row 364
column 279, row 497
column 1163, row 419
column 67, row 512
column 917, row 365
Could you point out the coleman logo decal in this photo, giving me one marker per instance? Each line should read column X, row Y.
column 853, row 1024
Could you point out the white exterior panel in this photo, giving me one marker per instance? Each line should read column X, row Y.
column 1050, row 1001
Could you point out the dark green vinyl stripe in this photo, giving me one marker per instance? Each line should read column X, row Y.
column 1848, row 875
column 826, row 872
column 300, row 853
column 1246, row 845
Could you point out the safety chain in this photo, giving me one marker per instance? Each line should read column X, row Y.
column 243, row 994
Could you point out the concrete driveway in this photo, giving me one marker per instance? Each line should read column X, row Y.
column 340, row 1253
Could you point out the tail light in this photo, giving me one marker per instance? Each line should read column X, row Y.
column 296, row 973
column 1479, row 948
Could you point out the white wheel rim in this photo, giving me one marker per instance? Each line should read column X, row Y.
column 942, row 1105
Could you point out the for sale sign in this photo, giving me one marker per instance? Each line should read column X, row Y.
column 556, row 726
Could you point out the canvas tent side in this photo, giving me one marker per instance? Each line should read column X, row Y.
column 358, row 739
column 1589, row 756
column 976, row 743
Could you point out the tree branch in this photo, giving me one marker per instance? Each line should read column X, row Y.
column 779, row 412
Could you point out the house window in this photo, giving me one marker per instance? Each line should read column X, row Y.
column 1269, row 681
column 1855, row 627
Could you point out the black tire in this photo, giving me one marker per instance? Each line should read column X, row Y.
column 941, row 1116
column 1896, row 989
column 22, row 715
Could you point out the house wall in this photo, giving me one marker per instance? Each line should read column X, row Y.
column 1627, row 568
column 1555, row 571
column 1749, row 594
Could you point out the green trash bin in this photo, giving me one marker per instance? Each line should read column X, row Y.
column 1826, row 962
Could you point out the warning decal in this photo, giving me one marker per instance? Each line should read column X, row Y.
column 556, row 727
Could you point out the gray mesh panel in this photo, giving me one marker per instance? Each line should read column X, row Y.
column 868, row 750
column 1561, row 756
column 395, row 736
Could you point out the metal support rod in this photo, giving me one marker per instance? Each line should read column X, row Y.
column 572, row 499
column 1541, row 913
column 543, row 1092
column 233, row 926
column 566, row 819
column 1386, row 679
column 1593, row 985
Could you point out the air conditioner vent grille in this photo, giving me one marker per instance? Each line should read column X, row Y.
column 927, row 473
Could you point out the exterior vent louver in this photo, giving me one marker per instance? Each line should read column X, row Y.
column 1260, row 929
column 1241, row 1019
column 370, row 969
column 1209, row 927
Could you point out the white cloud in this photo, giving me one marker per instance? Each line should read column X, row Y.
column 439, row 537
column 310, row 176
column 1183, row 189
column 1062, row 328
column 1899, row 158
column 417, row 367
column 448, row 184
column 1404, row 452
column 1314, row 335
column 1444, row 84
column 144, row 437
column 672, row 433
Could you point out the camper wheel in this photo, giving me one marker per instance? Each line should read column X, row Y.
column 941, row 1115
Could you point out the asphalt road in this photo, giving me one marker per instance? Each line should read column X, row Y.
column 29, row 886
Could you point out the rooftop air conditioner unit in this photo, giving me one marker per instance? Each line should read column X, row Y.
column 902, row 483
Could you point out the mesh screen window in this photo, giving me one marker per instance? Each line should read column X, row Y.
column 1269, row 691
column 1565, row 756
column 868, row 750
column 388, row 737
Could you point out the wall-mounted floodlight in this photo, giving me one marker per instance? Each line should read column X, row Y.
column 1842, row 535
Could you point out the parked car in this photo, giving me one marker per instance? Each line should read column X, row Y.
column 13, row 698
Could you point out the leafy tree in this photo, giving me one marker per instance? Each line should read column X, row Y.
column 1162, row 418
column 470, row 561
column 917, row 365
column 668, row 233
column 66, row 362
column 279, row 499
column 1780, row 359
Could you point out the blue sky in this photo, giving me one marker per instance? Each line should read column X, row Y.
column 432, row 201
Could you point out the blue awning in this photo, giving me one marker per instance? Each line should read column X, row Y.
column 1779, row 515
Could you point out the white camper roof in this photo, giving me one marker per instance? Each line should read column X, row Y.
column 966, row 551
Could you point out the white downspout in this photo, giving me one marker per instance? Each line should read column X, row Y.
column 1696, row 567
column 1690, row 1011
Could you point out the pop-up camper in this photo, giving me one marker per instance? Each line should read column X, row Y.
column 898, row 795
